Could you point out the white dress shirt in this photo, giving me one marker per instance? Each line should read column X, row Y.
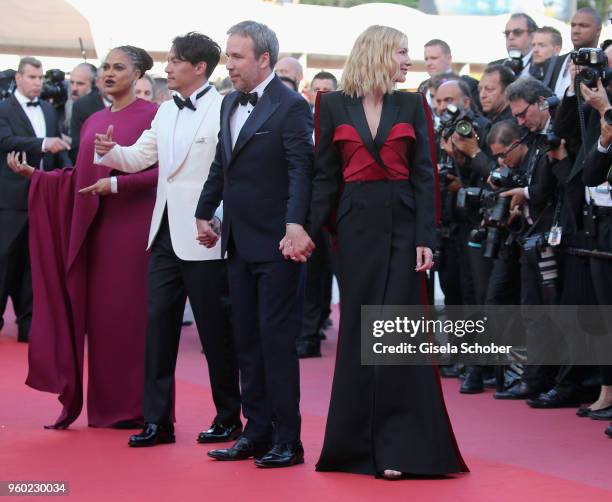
column 526, row 64
column 242, row 112
column 564, row 79
column 35, row 116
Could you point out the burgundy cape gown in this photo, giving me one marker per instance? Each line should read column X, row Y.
column 89, row 270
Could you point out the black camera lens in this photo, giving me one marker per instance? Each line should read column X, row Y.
column 464, row 128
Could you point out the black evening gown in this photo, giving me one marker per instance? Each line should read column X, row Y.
column 380, row 193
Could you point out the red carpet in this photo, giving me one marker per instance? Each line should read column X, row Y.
column 515, row 453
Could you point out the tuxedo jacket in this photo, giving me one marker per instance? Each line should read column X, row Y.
column 17, row 134
column 180, row 178
column 265, row 180
column 82, row 109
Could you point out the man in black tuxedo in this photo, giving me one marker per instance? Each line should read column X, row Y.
column 586, row 28
column 262, row 171
column 28, row 125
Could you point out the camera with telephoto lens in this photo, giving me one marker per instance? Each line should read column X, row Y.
column 7, row 84
column 596, row 63
column 494, row 212
column 54, row 88
column 515, row 61
column 453, row 120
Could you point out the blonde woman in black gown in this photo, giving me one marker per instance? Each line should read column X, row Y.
column 373, row 169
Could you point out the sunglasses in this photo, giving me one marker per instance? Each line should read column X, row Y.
column 517, row 32
column 521, row 115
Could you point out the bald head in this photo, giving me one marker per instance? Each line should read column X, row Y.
column 290, row 67
column 82, row 78
column 452, row 92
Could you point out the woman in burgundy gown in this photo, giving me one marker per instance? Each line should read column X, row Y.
column 373, row 165
column 89, row 264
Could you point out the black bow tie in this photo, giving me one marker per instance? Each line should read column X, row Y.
column 246, row 97
column 186, row 103
column 33, row 103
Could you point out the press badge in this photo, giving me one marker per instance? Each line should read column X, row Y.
column 554, row 237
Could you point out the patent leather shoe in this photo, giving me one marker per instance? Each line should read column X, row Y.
column 519, row 390
column 552, row 399
column 603, row 414
column 242, row 449
column 218, row 433
column 282, row 455
column 153, row 434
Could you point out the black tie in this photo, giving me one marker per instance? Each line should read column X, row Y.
column 33, row 103
column 245, row 97
column 186, row 103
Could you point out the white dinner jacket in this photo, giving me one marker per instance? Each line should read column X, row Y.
column 180, row 179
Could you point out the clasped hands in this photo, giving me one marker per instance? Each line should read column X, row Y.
column 296, row 245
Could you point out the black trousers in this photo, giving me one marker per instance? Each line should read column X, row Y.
column 601, row 272
column 266, row 311
column 15, row 271
column 538, row 330
column 317, row 294
column 170, row 281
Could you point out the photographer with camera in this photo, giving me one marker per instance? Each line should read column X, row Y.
column 28, row 124
column 458, row 121
column 519, row 35
column 531, row 104
column 597, row 175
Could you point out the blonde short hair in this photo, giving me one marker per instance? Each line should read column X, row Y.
column 370, row 65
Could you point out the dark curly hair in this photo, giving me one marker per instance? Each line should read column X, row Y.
column 195, row 47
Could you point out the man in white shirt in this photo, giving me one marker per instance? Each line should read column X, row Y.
column 28, row 125
column 182, row 139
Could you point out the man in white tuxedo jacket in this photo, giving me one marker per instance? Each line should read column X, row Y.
column 182, row 139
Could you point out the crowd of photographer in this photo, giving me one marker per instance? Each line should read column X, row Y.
column 526, row 205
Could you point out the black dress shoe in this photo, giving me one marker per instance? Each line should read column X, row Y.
column 473, row 382
column 152, row 435
column 308, row 348
column 520, row 390
column 552, row 399
column 609, row 431
column 603, row 414
column 220, row 434
column 242, row 449
column 282, row 455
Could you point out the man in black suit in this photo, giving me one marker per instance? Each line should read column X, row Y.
column 262, row 171
column 546, row 46
column 82, row 109
column 586, row 28
column 519, row 35
column 438, row 61
column 28, row 125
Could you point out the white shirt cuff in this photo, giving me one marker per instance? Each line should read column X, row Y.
column 97, row 158
column 114, row 184
column 526, row 191
column 602, row 149
column 44, row 145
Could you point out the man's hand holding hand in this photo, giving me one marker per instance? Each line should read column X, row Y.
column 206, row 234
column 296, row 244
